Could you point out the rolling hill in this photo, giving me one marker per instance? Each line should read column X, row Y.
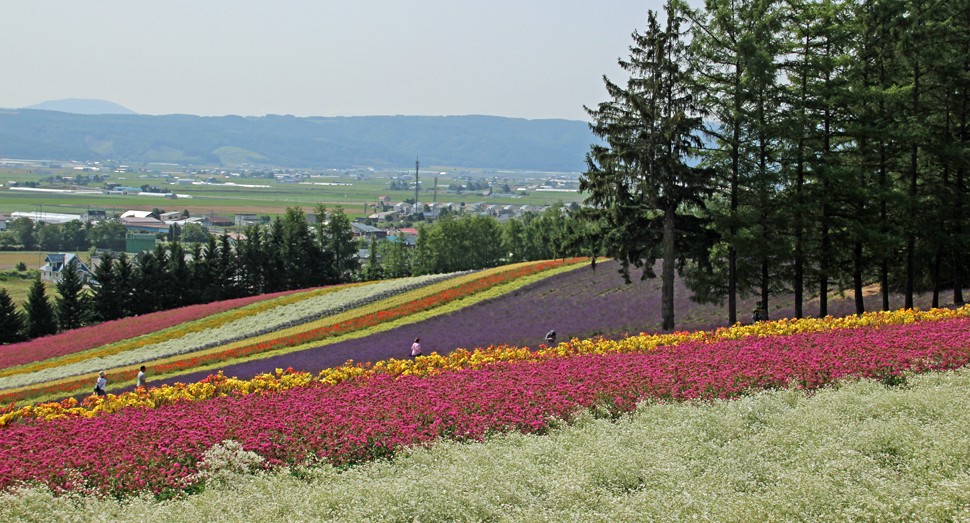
column 313, row 142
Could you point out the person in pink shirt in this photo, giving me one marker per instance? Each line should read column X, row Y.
column 416, row 348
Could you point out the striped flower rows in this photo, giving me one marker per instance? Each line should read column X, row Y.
column 85, row 338
column 159, row 450
column 219, row 386
column 215, row 320
column 354, row 324
column 303, row 311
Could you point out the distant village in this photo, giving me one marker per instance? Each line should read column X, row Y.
column 391, row 221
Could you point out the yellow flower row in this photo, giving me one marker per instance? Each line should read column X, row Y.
column 461, row 359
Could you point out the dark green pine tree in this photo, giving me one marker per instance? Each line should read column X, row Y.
column 105, row 300
column 11, row 322
column 640, row 179
column 227, row 269
column 124, row 280
column 251, row 252
column 148, row 279
column 273, row 277
column 339, row 246
column 39, row 313
column 373, row 271
column 204, row 272
column 179, row 276
column 72, row 302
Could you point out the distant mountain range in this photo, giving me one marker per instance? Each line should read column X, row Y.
column 287, row 141
column 81, row 106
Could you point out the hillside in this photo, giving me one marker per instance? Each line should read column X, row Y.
column 602, row 426
column 315, row 142
column 318, row 329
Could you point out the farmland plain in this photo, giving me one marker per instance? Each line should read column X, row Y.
column 354, row 192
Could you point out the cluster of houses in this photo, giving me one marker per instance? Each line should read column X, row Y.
column 498, row 211
column 143, row 225
column 132, row 220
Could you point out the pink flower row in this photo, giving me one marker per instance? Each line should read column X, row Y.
column 85, row 338
column 158, row 449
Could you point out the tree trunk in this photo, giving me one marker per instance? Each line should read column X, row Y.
column 959, row 194
column 732, row 252
column 884, row 228
column 913, row 175
column 860, row 304
column 937, row 269
column 667, row 298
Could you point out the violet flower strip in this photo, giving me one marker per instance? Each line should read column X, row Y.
column 159, row 449
column 85, row 338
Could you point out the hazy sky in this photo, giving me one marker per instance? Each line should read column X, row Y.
column 528, row 59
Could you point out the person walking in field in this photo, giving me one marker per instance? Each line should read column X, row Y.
column 416, row 348
column 759, row 314
column 100, row 384
column 551, row 338
column 142, row 379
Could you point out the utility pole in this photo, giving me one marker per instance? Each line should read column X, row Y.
column 435, row 188
column 416, row 165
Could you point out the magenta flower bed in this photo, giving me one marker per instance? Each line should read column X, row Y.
column 77, row 340
column 156, row 449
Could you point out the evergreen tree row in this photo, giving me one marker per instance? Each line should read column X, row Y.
column 286, row 256
column 835, row 149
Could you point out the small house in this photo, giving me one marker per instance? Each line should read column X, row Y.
column 54, row 265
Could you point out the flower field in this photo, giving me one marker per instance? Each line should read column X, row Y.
column 203, row 335
column 114, row 331
column 579, row 303
column 859, row 452
column 357, row 414
column 279, row 337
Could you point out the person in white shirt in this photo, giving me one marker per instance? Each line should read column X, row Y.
column 100, row 384
column 142, row 380
column 416, row 348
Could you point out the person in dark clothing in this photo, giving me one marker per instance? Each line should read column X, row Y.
column 551, row 338
column 759, row 314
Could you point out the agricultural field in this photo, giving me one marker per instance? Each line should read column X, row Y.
column 357, row 196
column 252, row 399
column 18, row 283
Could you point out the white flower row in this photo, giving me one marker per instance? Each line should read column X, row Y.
column 264, row 322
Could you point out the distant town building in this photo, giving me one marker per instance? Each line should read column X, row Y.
column 138, row 242
column 54, row 265
column 243, row 220
column 366, row 231
column 93, row 215
column 148, row 224
column 214, row 220
column 46, row 217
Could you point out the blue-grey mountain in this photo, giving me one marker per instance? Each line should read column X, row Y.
column 82, row 106
column 337, row 142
